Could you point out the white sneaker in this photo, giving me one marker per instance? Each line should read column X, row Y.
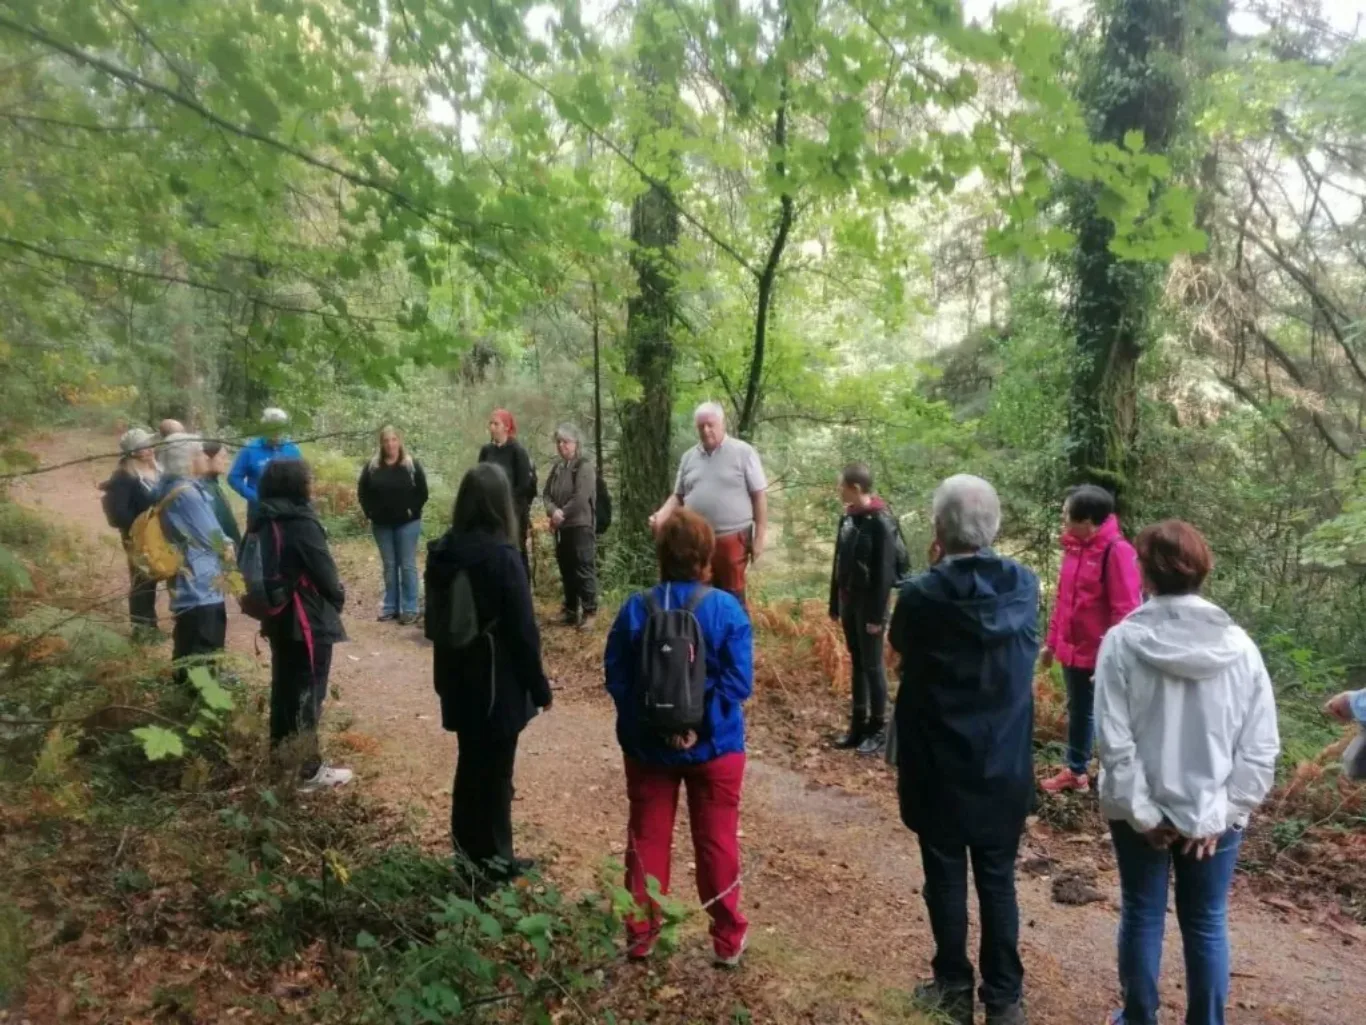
column 326, row 776
column 734, row 960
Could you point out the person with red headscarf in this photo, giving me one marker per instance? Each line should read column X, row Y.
column 505, row 451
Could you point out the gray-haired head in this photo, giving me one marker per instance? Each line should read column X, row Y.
column 568, row 432
column 274, row 417
column 967, row 514
column 135, row 440
column 709, row 411
column 178, row 454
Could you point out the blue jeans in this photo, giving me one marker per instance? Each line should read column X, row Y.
column 1201, row 910
column 398, row 552
column 1081, row 716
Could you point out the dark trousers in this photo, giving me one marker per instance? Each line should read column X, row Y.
column 200, row 633
column 298, row 688
column 946, row 897
column 869, row 673
column 524, row 541
column 1081, row 716
column 142, row 599
column 576, row 550
column 481, row 803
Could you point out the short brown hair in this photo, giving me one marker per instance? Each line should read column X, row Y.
column 1174, row 556
column 685, row 546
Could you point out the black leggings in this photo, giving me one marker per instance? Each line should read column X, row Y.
column 297, row 691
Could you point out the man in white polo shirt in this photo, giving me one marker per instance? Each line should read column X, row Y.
column 722, row 480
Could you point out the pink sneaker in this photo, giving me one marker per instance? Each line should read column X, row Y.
column 1067, row 780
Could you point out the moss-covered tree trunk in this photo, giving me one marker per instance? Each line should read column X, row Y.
column 645, row 455
column 1134, row 83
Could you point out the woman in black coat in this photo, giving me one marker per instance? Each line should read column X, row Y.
column 493, row 684
column 301, row 636
column 507, row 453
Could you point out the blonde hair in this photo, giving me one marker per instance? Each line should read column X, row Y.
column 404, row 459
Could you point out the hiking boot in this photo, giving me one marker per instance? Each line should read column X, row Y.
column 852, row 737
column 733, row 960
column 589, row 618
column 874, row 742
column 386, row 617
column 407, row 619
column 1066, row 780
column 1011, row 1014
column 500, row 871
column 325, row 778
column 953, row 1005
column 568, row 618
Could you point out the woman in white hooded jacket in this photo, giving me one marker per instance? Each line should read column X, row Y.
column 1188, row 742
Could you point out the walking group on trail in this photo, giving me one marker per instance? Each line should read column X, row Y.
column 1164, row 690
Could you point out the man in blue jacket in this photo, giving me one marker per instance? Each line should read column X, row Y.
column 967, row 633
column 256, row 454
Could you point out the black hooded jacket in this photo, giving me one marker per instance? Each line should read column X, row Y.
column 967, row 633
column 306, row 564
column 509, row 662
column 129, row 496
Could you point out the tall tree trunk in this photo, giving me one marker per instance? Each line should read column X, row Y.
column 644, row 456
column 768, row 277
column 1135, row 84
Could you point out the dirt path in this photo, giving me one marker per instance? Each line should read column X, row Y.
column 832, row 879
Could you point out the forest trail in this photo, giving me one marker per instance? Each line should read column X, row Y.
column 831, row 877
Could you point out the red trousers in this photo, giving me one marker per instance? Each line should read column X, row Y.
column 714, row 811
column 729, row 562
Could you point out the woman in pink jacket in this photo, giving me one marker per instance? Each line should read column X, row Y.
column 1099, row 585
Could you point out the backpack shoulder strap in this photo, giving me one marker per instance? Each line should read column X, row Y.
column 1105, row 560
column 651, row 605
column 699, row 593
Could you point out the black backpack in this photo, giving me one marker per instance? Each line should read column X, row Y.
column 673, row 665
column 602, row 508
column 111, row 515
column 903, row 557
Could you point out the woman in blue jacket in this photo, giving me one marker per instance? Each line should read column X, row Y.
column 709, row 762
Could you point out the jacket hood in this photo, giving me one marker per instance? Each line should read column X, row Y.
column 284, row 509
column 452, row 552
column 1185, row 637
column 874, row 506
column 991, row 597
column 1105, row 533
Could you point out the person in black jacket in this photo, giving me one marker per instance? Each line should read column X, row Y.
column 861, row 583
column 967, row 633
column 392, row 491
column 128, row 493
column 491, row 688
column 507, row 452
column 302, row 635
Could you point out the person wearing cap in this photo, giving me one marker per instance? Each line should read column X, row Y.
column 129, row 492
column 258, row 453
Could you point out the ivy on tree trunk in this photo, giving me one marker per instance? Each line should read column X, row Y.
column 1133, row 92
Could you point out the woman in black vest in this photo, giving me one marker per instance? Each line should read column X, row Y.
column 491, row 687
column 507, row 453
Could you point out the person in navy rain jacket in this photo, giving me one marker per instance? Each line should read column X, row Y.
column 710, row 762
column 967, row 633
column 257, row 454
